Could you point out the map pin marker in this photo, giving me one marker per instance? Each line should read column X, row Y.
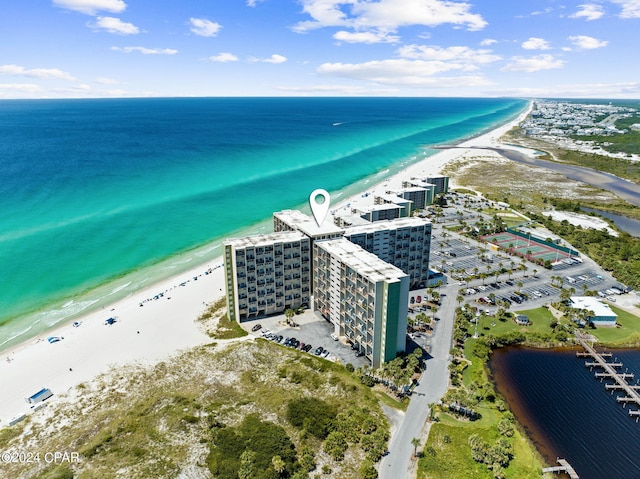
column 319, row 201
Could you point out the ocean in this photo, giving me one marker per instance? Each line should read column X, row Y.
column 568, row 413
column 102, row 197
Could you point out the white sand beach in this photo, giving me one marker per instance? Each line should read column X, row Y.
column 160, row 327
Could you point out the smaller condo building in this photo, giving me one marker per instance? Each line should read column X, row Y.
column 364, row 297
column 441, row 183
column 420, row 197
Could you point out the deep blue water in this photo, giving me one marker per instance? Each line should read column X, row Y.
column 568, row 413
column 100, row 197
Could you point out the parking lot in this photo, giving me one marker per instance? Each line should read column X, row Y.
column 527, row 286
column 311, row 329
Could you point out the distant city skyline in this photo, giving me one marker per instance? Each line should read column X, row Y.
column 483, row 48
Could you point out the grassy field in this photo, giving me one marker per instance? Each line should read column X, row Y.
column 627, row 334
column 448, row 454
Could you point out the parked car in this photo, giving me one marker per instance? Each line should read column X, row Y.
column 257, row 327
column 318, row 351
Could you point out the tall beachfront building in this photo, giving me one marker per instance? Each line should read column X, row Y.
column 267, row 274
column 404, row 243
column 364, row 297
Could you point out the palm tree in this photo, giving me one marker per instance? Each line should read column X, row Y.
column 289, row 314
column 278, row 464
column 415, row 442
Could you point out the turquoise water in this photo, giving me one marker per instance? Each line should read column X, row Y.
column 102, row 197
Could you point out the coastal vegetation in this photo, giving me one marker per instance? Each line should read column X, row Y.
column 249, row 409
column 217, row 323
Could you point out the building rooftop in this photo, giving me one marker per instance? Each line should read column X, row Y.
column 386, row 225
column 302, row 222
column 394, row 199
column 353, row 220
column 384, row 207
column 414, row 189
column 265, row 239
column 365, row 263
column 420, row 183
column 592, row 304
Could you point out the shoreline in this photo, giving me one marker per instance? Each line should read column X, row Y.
column 147, row 329
column 537, row 433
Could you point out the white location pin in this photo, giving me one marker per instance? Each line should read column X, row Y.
column 319, row 201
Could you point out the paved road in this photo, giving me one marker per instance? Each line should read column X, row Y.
column 433, row 384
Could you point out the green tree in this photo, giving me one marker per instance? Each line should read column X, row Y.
column 289, row 314
column 368, row 470
column 335, row 445
column 415, row 442
column 247, row 462
column 278, row 464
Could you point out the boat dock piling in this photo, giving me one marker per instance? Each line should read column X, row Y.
column 609, row 372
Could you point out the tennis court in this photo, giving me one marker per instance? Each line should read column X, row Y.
column 530, row 248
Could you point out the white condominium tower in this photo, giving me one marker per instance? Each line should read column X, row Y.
column 267, row 274
column 365, row 298
column 404, row 243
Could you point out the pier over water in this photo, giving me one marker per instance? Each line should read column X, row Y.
column 564, row 467
column 610, row 372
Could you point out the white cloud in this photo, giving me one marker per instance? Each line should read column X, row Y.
column 20, row 87
column 535, row 43
column 630, row 8
column 106, row 81
column 365, row 37
column 146, row 51
column 488, row 41
column 45, row 73
column 204, row 27
column 91, row 7
column 224, row 57
column 579, row 90
column 459, row 54
column 403, row 72
column 272, row 59
column 589, row 12
column 387, row 15
column 253, row 3
column 333, row 90
column 533, row 64
column 587, row 43
column 115, row 25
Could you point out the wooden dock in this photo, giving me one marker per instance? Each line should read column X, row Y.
column 609, row 372
column 563, row 467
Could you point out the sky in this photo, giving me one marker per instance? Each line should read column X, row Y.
column 412, row 48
